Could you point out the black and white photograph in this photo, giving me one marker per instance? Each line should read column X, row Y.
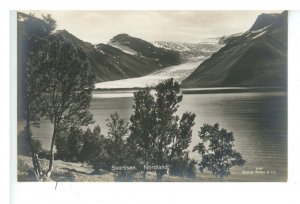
column 152, row 96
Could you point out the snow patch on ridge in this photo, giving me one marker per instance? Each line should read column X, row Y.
column 260, row 34
column 123, row 48
column 260, row 30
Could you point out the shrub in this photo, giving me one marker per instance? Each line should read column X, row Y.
column 61, row 144
column 36, row 145
column 22, row 147
column 183, row 166
column 74, row 144
column 22, row 166
column 216, row 149
column 157, row 132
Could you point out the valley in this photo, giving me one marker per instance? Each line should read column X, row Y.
column 192, row 55
column 178, row 72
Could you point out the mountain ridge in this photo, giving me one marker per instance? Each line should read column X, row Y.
column 109, row 62
column 258, row 57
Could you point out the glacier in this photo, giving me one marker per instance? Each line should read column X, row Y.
column 201, row 51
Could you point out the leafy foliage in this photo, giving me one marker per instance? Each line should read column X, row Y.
column 142, row 123
column 54, row 78
column 88, row 146
column 32, row 32
column 23, row 147
column 69, row 145
column 183, row 166
column 37, row 145
column 66, row 83
column 61, row 144
column 216, row 149
column 183, row 137
column 118, row 148
column 94, row 149
column 166, row 126
column 117, row 131
column 157, row 133
column 180, row 163
column 103, row 152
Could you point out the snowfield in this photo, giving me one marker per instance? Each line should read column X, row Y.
column 123, row 48
column 256, row 33
column 260, row 34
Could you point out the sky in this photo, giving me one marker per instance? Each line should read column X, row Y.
column 184, row 26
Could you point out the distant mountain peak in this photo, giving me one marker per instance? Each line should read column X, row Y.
column 63, row 32
column 120, row 37
column 265, row 19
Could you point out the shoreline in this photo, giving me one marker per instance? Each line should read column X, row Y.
column 231, row 90
column 210, row 90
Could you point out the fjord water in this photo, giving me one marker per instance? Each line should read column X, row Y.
column 258, row 121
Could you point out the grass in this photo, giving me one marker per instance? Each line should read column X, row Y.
column 82, row 172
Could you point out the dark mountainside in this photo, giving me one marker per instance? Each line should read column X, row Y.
column 111, row 62
column 256, row 58
column 147, row 50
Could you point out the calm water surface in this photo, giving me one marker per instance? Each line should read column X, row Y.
column 257, row 120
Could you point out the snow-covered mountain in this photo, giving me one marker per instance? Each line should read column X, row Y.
column 139, row 47
column 190, row 50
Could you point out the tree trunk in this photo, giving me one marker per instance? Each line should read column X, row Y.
column 145, row 170
column 144, row 175
column 51, row 153
column 159, row 175
column 221, row 178
column 34, row 157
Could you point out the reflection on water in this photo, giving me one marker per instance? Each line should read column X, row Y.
column 257, row 120
column 113, row 95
